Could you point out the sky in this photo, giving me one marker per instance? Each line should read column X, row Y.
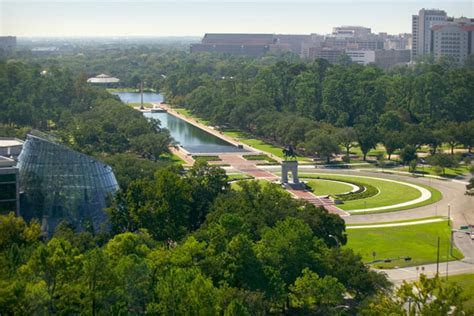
column 30, row 18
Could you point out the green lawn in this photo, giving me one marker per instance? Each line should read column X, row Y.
column 326, row 187
column 390, row 194
column 466, row 281
column 417, row 241
column 260, row 144
column 238, row 176
column 188, row 113
column 380, row 149
column 449, row 172
column 207, row 158
column 172, row 157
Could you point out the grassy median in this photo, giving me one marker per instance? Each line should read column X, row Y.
column 416, row 241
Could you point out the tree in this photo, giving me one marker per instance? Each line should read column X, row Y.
column 160, row 205
column 424, row 297
column 470, row 187
column 443, row 161
column 184, row 291
column 312, row 293
column 452, row 135
column 152, row 145
column 407, row 154
column 322, row 143
column 392, row 141
column 206, row 183
column 367, row 137
column 347, row 137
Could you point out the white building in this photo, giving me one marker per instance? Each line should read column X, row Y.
column 454, row 39
column 351, row 31
column 421, row 30
column 362, row 57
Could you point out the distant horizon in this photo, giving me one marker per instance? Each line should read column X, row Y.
column 194, row 18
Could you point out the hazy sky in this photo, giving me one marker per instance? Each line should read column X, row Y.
column 195, row 17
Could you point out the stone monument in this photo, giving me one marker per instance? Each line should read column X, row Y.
column 290, row 166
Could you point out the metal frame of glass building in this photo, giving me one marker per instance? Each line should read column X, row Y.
column 57, row 183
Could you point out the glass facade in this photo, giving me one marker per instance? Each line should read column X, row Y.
column 8, row 191
column 57, row 183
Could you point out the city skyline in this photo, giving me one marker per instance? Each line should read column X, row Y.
column 194, row 18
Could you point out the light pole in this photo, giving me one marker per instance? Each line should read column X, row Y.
column 437, row 260
column 449, row 214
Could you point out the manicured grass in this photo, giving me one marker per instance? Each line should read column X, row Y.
column 260, row 157
column 259, row 144
column 207, row 158
column 466, row 281
column 449, row 172
column 327, row 187
column 417, row 241
column 188, row 113
column 380, row 149
column 172, row 157
column 238, row 176
column 390, row 194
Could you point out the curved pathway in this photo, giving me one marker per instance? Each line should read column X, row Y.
column 460, row 205
column 426, row 221
column 425, row 195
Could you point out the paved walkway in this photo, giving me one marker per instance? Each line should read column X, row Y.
column 246, row 166
column 318, row 201
column 251, row 167
column 426, row 221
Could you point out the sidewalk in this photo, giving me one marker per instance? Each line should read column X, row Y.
column 399, row 275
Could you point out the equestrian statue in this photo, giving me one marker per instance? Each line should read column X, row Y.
column 289, row 152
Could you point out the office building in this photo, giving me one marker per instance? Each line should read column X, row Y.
column 10, row 147
column 252, row 45
column 351, row 31
column 57, row 183
column 9, row 189
column 454, row 39
column 421, row 30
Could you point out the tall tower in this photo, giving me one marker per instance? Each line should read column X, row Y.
column 421, row 30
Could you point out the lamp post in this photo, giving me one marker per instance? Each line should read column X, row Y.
column 437, row 260
column 449, row 214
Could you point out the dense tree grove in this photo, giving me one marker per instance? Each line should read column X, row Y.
column 302, row 103
column 86, row 118
column 183, row 243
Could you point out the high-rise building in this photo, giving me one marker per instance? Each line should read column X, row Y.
column 454, row 39
column 57, row 183
column 421, row 30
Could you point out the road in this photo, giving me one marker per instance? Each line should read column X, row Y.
column 461, row 206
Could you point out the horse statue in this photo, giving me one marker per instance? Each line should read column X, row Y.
column 288, row 152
